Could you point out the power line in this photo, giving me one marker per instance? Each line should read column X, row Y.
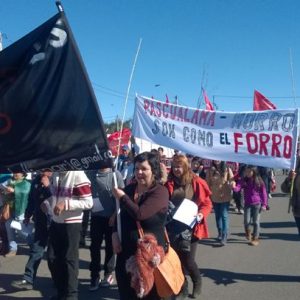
column 111, row 94
column 110, row 91
column 118, row 94
column 106, row 88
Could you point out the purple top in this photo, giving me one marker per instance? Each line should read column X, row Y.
column 253, row 194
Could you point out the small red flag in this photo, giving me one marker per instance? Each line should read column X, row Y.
column 260, row 102
column 167, row 99
column 208, row 105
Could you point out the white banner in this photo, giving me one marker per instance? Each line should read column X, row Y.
column 262, row 138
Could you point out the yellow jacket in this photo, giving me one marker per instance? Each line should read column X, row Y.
column 220, row 186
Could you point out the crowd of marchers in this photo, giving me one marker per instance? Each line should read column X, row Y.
column 55, row 212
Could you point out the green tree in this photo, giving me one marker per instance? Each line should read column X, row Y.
column 116, row 125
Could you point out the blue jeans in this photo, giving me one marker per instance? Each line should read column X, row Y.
column 37, row 250
column 222, row 220
column 252, row 216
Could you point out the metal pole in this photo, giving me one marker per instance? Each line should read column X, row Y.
column 293, row 79
column 119, row 145
column 59, row 6
column 127, row 94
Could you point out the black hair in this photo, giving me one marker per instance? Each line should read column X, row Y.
column 154, row 151
column 256, row 175
column 196, row 159
column 153, row 161
column 221, row 168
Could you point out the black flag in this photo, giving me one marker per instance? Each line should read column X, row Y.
column 49, row 117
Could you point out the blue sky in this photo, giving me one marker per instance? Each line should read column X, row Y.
column 231, row 47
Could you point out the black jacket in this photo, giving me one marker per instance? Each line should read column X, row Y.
column 38, row 193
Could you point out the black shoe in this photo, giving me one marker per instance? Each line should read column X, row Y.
column 22, row 285
column 196, row 290
column 95, row 282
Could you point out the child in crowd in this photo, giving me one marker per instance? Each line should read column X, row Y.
column 255, row 197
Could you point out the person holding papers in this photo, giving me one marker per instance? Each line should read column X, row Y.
column 220, row 179
column 16, row 194
column 186, row 191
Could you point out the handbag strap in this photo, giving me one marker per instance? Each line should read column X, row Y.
column 138, row 223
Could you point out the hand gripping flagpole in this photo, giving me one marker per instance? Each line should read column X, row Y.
column 120, row 138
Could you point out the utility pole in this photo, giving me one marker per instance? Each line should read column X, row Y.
column 292, row 78
column 215, row 104
column 117, row 121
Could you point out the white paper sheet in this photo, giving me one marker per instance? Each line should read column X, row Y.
column 187, row 213
column 25, row 229
column 16, row 225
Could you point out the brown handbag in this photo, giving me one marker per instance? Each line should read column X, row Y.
column 5, row 213
column 168, row 276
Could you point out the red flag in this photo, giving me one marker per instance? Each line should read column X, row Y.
column 114, row 138
column 208, row 105
column 260, row 102
column 167, row 99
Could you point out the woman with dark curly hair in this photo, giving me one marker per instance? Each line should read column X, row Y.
column 145, row 200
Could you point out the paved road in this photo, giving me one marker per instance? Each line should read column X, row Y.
column 236, row 271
